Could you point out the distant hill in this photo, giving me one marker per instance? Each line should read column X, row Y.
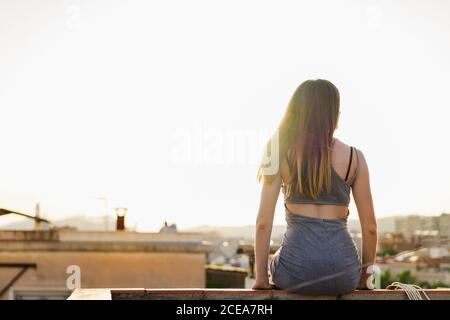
column 244, row 232
column 247, row 232
column 84, row 223
column 80, row 222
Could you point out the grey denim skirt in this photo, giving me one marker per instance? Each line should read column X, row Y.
column 316, row 257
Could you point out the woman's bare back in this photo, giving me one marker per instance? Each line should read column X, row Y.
column 340, row 162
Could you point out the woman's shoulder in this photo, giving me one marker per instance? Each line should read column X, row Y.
column 342, row 147
column 342, row 153
column 358, row 159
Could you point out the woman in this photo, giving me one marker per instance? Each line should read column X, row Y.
column 316, row 173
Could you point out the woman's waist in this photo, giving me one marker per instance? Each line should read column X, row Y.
column 317, row 234
column 317, row 248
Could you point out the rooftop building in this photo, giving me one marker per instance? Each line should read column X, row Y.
column 50, row 264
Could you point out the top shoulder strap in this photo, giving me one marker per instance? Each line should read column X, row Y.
column 352, row 178
column 350, row 163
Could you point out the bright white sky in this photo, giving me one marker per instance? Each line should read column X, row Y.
column 163, row 106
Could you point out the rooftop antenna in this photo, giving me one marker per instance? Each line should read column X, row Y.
column 105, row 208
column 37, row 221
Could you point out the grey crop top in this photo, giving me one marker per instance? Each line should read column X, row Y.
column 339, row 193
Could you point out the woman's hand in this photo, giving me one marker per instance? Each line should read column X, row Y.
column 262, row 285
column 363, row 281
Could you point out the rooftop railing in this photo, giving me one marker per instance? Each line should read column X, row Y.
column 241, row 294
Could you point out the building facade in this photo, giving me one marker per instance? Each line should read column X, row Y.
column 50, row 264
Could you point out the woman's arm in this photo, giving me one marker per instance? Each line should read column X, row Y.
column 264, row 222
column 364, row 203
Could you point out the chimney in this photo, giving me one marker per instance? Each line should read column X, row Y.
column 120, row 218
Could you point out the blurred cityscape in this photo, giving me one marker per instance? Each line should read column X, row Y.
column 42, row 259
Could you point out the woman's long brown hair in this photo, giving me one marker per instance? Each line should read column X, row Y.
column 304, row 138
